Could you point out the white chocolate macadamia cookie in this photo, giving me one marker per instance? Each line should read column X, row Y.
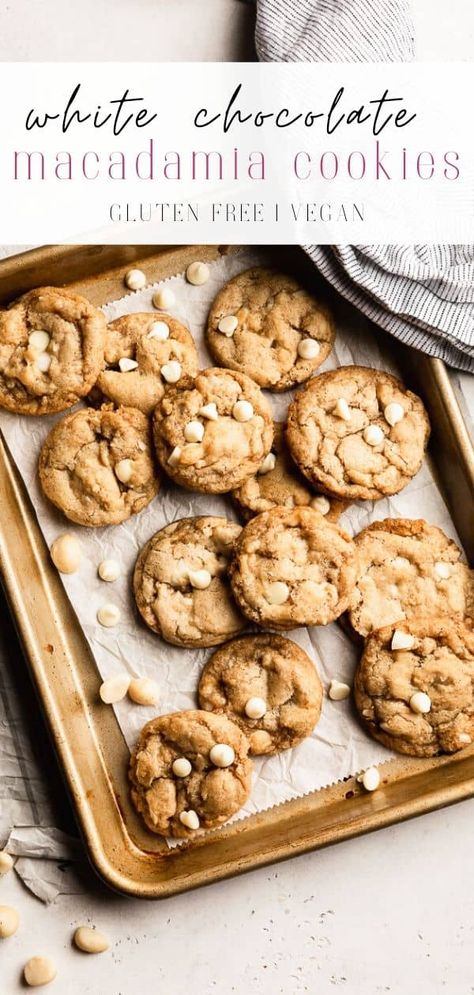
column 264, row 324
column 344, row 438
column 236, row 434
column 181, row 582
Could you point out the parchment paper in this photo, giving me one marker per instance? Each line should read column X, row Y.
column 338, row 747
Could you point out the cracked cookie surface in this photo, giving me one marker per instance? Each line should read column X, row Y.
column 97, row 466
column 272, row 315
column 339, row 435
column 407, row 568
column 440, row 664
column 168, row 602
column 283, row 486
column 235, row 424
column 213, row 793
column 51, row 351
column 273, row 669
column 140, row 338
column 293, row 568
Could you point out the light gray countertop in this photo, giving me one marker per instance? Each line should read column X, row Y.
column 390, row 912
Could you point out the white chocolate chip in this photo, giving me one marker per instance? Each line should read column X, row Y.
column 194, row 431
column 338, row 691
column 373, row 435
column 174, row 456
column 277, row 593
column 143, row 691
column 242, row 411
column 135, row 279
column 43, row 362
column 342, row 409
column 6, row 862
column 90, row 940
column 108, row 615
column 402, row 640
column 163, row 299
column 197, row 273
column 190, row 819
column 39, row 340
column 171, row 371
column 393, row 413
column 222, row 755
column 181, row 767
column 420, row 703
column 370, row 779
column 109, row 570
column 123, row 470
column 199, row 579
column 228, row 325
column 442, row 570
column 39, row 971
column 268, row 464
column 9, row 921
column 400, row 563
column 114, row 689
column 465, row 738
column 126, row 365
column 209, row 411
column 159, row 330
column 66, row 553
column 321, row 504
column 256, row 708
column 308, row 349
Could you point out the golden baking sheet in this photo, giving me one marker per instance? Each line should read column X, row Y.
column 90, row 745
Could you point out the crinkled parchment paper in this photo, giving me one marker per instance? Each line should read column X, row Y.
column 338, row 747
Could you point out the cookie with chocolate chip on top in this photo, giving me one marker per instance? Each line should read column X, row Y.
column 51, row 351
column 213, row 432
column 266, row 325
column 279, row 483
column 292, row 568
column 190, row 771
column 408, row 568
column 144, row 353
column 98, row 467
column 268, row 686
column 414, row 687
column 357, row 433
column 181, row 582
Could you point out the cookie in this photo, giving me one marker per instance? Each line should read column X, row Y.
column 213, row 432
column 278, row 483
column 97, row 466
column 407, row 568
column 181, row 582
column 264, row 324
column 357, row 433
column 268, row 674
column 293, row 568
column 180, row 804
column 51, row 351
column 418, row 699
column 149, row 343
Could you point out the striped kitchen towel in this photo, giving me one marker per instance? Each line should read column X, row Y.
column 422, row 294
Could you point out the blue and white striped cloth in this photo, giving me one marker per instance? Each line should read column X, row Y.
column 422, row 294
